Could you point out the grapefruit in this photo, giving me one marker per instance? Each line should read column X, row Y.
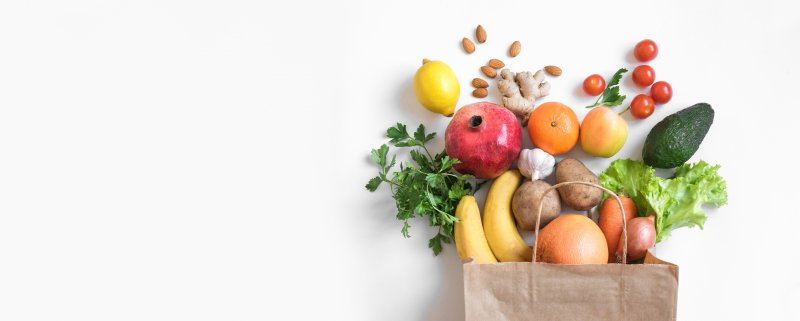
column 572, row 239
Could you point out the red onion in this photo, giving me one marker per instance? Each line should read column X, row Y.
column 641, row 237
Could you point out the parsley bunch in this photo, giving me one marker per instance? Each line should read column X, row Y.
column 427, row 187
column 610, row 96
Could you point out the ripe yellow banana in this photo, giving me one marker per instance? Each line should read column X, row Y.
column 470, row 240
column 498, row 221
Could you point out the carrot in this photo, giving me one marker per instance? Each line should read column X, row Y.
column 611, row 222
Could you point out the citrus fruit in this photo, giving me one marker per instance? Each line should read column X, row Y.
column 436, row 87
column 572, row 239
column 553, row 128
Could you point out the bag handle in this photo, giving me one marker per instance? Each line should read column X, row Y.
column 622, row 209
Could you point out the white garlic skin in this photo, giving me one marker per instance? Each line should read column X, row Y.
column 535, row 163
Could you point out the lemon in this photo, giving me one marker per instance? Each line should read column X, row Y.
column 436, row 87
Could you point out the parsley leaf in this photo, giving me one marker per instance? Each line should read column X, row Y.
column 397, row 133
column 374, row 183
column 610, row 96
column 428, row 187
column 379, row 155
column 435, row 244
column 420, row 133
column 404, row 231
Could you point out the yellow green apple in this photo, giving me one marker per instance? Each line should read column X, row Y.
column 603, row 132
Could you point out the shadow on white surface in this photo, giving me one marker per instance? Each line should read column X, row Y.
column 409, row 104
column 449, row 300
column 630, row 58
column 578, row 92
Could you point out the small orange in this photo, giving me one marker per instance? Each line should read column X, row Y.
column 554, row 128
column 572, row 239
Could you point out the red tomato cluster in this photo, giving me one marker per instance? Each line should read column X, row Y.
column 644, row 75
column 642, row 105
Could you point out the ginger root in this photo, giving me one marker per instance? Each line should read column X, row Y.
column 521, row 90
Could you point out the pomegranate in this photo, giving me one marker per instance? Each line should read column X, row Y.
column 485, row 137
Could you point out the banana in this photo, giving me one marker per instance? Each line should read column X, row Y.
column 498, row 221
column 470, row 240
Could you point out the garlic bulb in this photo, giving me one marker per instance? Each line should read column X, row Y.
column 535, row 163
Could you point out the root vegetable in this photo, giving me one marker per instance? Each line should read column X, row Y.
column 641, row 237
column 578, row 197
column 526, row 202
column 520, row 90
column 611, row 222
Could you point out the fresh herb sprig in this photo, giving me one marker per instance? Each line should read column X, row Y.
column 610, row 96
column 427, row 187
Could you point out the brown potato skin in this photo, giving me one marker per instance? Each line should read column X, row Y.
column 524, row 204
column 578, row 197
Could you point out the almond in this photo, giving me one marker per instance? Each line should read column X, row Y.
column 480, row 34
column 489, row 71
column 496, row 63
column 480, row 93
column 480, row 83
column 469, row 47
column 552, row 70
column 516, row 47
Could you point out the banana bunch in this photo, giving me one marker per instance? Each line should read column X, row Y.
column 498, row 238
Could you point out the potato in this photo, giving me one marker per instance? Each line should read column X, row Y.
column 578, row 197
column 526, row 202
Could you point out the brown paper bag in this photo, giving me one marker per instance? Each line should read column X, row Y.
column 540, row 291
column 551, row 292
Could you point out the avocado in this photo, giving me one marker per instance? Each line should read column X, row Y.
column 677, row 137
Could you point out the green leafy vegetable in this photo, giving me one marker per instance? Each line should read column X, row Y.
column 427, row 187
column 677, row 201
column 610, row 96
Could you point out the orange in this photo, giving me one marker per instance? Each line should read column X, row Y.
column 554, row 128
column 572, row 239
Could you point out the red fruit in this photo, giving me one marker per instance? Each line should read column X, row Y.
column 485, row 137
column 645, row 50
column 644, row 75
column 642, row 106
column 661, row 92
column 594, row 85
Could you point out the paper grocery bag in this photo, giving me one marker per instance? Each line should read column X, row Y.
column 540, row 291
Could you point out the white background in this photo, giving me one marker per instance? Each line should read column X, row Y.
column 205, row 160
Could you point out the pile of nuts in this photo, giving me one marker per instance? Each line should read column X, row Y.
column 491, row 68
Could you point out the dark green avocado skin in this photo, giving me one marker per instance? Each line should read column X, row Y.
column 677, row 137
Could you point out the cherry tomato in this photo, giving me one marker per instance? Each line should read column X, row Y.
column 594, row 85
column 642, row 106
column 661, row 92
column 644, row 75
column 645, row 50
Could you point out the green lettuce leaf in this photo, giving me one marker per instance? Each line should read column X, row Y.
column 705, row 176
column 628, row 177
column 678, row 201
